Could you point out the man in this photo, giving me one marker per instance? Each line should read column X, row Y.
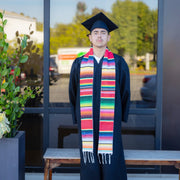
column 99, row 92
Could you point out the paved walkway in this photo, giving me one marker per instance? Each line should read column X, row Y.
column 40, row 176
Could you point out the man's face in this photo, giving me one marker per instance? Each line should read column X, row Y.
column 99, row 37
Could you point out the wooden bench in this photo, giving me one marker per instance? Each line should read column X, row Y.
column 54, row 157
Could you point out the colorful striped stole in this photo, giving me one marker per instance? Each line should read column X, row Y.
column 107, row 104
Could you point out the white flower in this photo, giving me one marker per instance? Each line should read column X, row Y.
column 4, row 124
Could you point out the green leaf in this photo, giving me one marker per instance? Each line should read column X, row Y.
column 13, row 116
column 6, row 45
column 17, row 89
column 24, row 42
column 17, row 71
column 16, row 109
column 4, row 72
column 33, row 96
column 10, row 78
column 7, row 106
column 5, row 36
column 8, row 111
column 23, row 59
column 1, row 29
column 4, row 85
column 1, row 15
column 1, row 42
column 20, row 114
column 5, row 22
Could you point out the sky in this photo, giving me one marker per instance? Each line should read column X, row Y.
column 62, row 11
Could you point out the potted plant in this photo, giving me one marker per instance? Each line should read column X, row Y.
column 12, row 101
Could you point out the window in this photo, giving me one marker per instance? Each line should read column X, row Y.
column 135, row 40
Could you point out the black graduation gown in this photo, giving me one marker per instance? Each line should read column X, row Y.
column 117, row 169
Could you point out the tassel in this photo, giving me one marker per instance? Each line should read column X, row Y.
column 88, row 157
column 92, row 158
column 84, row 157
column 99, row 158
column 104, row 158
column 109, row 158
column 88, row 154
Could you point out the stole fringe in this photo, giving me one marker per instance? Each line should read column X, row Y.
column 88, row 157
column 104, row 158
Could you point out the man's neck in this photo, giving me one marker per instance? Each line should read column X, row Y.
column 99, row 52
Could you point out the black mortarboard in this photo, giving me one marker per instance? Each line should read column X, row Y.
column 99, row 21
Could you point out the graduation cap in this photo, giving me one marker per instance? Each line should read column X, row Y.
column 99, row 21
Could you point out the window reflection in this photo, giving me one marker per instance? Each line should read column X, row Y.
column 135, row 40
column 137, row 133
column 25, row 18
column 18, row 24
column 62, row 133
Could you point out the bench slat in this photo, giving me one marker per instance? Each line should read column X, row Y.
column 63, row 153
column 130, row 155
column 152, row 155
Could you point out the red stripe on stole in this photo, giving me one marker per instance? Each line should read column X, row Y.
column 86, row 81
column 88, row 53
column 108, row 54
column 105, row 82
column 86, row 124
column 85, row 92
column 110, row 94
column 106, row 126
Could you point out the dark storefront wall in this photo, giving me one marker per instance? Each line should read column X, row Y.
column 171, row 74
column 44, row 117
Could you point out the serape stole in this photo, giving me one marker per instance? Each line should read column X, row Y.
column 107, row 104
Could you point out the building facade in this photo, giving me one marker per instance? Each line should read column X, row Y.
column 151, row 124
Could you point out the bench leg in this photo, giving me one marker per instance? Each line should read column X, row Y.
column 50, row 174
column 46, row 170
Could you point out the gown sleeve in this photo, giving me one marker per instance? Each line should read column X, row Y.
column 73, row 84
column 125, row 91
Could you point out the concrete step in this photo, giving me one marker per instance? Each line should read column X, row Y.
column 75, row 176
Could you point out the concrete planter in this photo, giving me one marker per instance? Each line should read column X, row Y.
column 12, row 157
